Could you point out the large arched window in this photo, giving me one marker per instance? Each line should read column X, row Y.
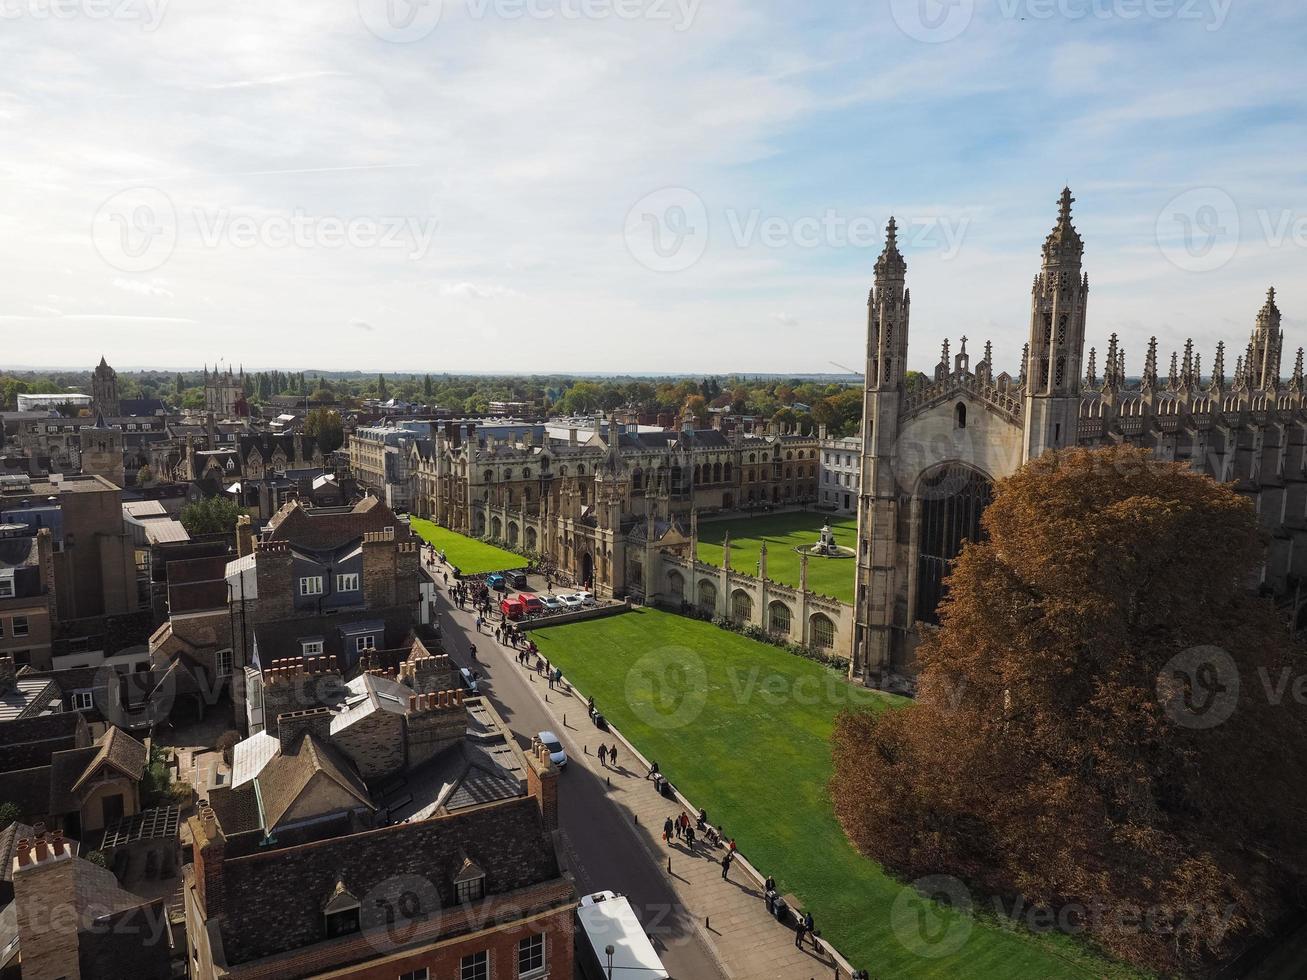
column 821, row 631
column 953, row 498
column 676, row 585
column 707, row 597
column 741, row 606
column 778, row 619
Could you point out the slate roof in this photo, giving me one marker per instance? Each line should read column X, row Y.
column 273, row 900
column 281, row 639
column 118, row 749
column 18, row 552
column 29, row 742
column 237, row 808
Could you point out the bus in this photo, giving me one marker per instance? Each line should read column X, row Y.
column 608, row 923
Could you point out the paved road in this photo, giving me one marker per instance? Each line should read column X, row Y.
column 600, row 848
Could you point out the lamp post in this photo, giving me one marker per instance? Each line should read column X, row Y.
column 609, row 950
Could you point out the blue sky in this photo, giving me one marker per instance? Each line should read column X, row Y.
column 634, row 185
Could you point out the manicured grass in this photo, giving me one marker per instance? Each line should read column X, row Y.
column 743, row 729
column 783, row 533
column 470, row 555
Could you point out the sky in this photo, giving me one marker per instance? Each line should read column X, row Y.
column 634, row 186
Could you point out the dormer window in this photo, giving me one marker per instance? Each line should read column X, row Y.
column 470, row 890
column 340, row 913
column 470, row 882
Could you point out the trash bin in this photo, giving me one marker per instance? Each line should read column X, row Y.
column 769, row 897
column 600, row 723
column 780, row 910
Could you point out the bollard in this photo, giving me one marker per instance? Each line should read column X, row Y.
column 564, row 719
column 637, row 818
column 608, row 782
column 669, row 864
column 707, row 923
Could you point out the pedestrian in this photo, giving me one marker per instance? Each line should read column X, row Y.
column 653, row 770
column 731, row 846
column 472, row 650
column 612, row 755
column 498, row 635
column 769, row 885
column 682, row 823
column 603, row 755
column 726, row 865
column 703, row 818
column 689, row 838
column 667, row 835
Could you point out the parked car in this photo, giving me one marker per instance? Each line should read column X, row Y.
column 496, row 582
column 551, row 603
column 512, row 607
column 530, row 602
column 555, row 748
column 572, row 601
column 469, row 681
column 587, row 598
column 517, row 580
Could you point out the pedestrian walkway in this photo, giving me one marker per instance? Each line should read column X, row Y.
column 749, row 942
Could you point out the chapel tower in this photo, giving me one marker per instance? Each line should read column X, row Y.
column 1057, row 339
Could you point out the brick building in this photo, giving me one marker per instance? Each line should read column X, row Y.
column 379, row 827
column 338, row 581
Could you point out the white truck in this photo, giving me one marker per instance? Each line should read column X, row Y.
column 612, row 944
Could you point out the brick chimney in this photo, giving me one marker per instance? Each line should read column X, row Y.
column 8, row 675
column 542, row 783
column 209, row 853
column 244, row 535
column 292, row 726
column 45, row 895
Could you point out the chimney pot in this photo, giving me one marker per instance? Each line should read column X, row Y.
column 412, row 702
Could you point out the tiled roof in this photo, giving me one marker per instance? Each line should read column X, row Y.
column 118, row 749
column 237, row 808
column 66, row 770
column 273, row 900
column 29, row 742
column 286, row 776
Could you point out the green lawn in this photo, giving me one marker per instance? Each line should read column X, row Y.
column 783, row 532
column 470, row 555
column 743, row 729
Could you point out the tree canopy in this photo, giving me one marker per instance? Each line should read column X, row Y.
column 215, row 515
column 1094, row 731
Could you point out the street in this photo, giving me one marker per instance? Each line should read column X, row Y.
column 599, row 846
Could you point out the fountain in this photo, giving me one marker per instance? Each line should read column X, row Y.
column 826, row 546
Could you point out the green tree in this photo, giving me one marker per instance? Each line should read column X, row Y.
column 215, row 515
column 9, row 813
column 1092, row 731
column 383, row 391
column 325, row 426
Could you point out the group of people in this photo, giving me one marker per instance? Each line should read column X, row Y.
column 679, row 827
column 511, row 634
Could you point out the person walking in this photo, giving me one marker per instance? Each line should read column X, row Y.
column 726, row 864
column 612, row 755
column 499, row 636
column 667, row 835
column 689, row 838
column 603, row 755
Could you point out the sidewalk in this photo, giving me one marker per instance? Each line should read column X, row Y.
column 748, row 941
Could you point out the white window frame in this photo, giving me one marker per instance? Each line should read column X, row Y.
column 534, row 939
column 311, row 585
column 478, row 967
column 7, row 588
column 83, row 701
column 310, row 648
column 347, row 582
column 17, row 629
column 223, row 661
column 420, row 973
column 368, row 642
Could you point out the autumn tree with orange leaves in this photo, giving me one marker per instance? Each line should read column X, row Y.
column 1107, row 724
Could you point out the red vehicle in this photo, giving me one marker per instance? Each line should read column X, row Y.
column 530, row 602
column 511, row 608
